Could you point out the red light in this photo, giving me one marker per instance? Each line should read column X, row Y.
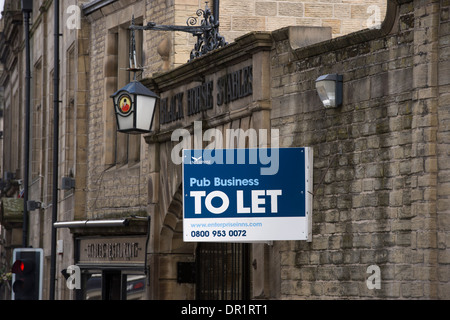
column 18, row 266
column 22, row 266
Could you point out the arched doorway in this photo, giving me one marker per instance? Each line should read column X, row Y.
column 220, row 271
column 223, row 271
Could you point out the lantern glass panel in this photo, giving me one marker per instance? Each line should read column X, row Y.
column 145, row 106
column 125, row 113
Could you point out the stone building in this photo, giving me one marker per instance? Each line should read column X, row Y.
column 72, row 129
column 384, row 199
column 381, row 195
column 380, row 178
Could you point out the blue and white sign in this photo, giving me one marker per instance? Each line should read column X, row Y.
column 247, row 195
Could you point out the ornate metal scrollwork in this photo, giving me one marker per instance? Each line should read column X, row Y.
column 192, row 21
column 209, row 39
column 207, row 33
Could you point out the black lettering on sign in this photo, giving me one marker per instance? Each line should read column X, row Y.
column 230, row 87
column 200, row 98
column 235, row 85
column 174, row 111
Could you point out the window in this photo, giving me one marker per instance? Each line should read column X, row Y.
column 121, row 148
column 112, row 285
column 69, row 110
column 48, row 143
column 36, row 110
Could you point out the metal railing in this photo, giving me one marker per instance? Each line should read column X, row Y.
column 223, row 271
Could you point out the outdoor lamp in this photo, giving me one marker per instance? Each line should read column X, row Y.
column 329, row 88
column 134, row 106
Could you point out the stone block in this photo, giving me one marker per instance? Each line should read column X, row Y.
column 444, row 72
column 356, row 91
column 379, row 85
column 304, row 36
column 266, row 8
column 290, row 9
column 241, row 23
column 320, row 10
column 400, row 80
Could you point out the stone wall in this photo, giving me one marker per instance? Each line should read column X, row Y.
column 381, row 160
column 441, row 97
column 240, row 17
column 344, row 16
column 381, row 174
column 118, row 190
column 113, row 189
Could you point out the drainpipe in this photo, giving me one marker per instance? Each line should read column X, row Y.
column 55, row 150
column 27, row 8
column 216, row 11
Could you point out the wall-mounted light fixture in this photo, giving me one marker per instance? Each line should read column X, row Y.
column 134, row 106
column 329, row 87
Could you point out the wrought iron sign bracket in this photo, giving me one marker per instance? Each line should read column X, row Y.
column 207, row 33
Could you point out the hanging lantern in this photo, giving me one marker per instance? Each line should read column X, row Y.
column 134, row 106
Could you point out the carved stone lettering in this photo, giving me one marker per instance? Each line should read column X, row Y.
column 229, row 87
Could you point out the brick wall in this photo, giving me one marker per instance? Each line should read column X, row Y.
column 380, row 161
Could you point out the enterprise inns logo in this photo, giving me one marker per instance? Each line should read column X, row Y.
column 200, row 161
column 125, row 104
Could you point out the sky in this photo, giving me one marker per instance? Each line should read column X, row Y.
column 1, row 7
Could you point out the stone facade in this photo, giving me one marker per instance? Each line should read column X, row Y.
column 112, row 192
column 72, row 126
column 381, row 180
column 240, row 17
column 342, row 16
column 381, row 173
column 165, row 184
column 116, row 185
